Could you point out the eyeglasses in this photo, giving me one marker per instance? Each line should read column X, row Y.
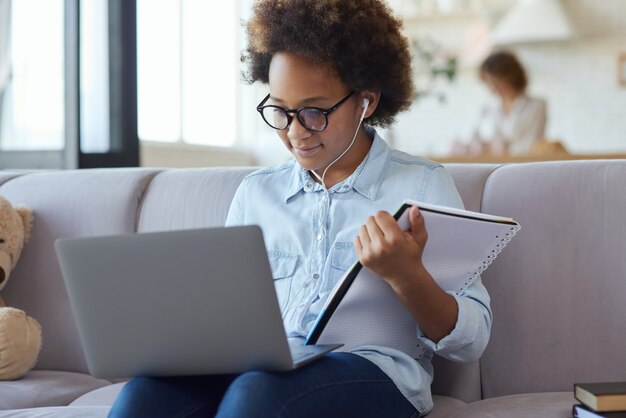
column 312, row 118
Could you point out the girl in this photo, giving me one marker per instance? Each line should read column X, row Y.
column 335, row 69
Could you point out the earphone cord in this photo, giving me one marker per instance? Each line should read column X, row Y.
column 366, row 103
column 324, row 208
column 326, row 198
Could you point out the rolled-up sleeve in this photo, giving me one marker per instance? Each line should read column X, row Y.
column 470, row 336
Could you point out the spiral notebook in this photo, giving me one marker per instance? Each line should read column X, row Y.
column 363, row 309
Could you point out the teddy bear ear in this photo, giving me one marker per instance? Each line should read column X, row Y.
column 27, row 220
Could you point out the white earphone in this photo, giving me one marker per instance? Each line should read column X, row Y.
column 366, row 104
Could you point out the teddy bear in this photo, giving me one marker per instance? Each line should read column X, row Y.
column 20, row 335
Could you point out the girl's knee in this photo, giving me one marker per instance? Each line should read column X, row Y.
column 256, row 383
column 251, row 394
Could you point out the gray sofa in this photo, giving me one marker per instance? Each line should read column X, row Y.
column 558, row 291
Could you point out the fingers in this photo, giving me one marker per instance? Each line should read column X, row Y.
column 386, row 222
column 417, row 226
column 369, row 237
column 363, row 241
column 379, row 232
column 373, row 227
column 382, row 228
column 415, row 217
column 358, row 246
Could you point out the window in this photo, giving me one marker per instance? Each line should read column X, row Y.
column 68, row 84
column 94, row 76
column 187, row 63
column 32, row 76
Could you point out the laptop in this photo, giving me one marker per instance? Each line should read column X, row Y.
column 188, row 302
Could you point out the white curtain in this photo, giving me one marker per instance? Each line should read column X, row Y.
column 5, row 51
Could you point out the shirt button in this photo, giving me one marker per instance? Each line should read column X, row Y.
column 345, row 186
column 319, row 237
column 316, row 276
column 309, row 185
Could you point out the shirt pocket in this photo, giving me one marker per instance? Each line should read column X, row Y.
column 283, row 270
column 342, row 257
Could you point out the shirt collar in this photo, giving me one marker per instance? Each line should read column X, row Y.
column 297, row 180
column 365, row 180
column 368, row 177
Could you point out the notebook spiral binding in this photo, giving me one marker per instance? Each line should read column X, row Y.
column 486, row 263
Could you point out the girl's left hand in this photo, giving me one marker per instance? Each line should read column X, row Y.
column 391, row 253
column 396, row 256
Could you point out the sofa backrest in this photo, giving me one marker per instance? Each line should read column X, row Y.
column 558, row 293
column 66, row 204
column 191, row 198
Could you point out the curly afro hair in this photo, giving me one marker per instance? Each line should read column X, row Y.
column 361, row 39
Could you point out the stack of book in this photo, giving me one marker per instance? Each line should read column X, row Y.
column 606, row 400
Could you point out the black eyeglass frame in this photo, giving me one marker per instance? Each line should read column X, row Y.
column 290, row 112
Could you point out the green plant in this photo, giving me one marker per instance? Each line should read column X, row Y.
column 431, row 63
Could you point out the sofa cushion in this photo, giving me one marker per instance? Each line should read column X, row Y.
column 189, row 198
column 46, row 388
column 470, row 181
column 444, row 406
column 104, row 396
column 66, row 204
column 58, row 412
column 558, row 289
column 458, row 380
column 544, row 405
column 6, row 176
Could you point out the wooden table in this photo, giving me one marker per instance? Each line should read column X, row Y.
column 500, row 159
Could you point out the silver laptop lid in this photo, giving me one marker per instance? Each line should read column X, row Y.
column 172, row 303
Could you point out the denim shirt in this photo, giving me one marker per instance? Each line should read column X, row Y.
column 309, row 237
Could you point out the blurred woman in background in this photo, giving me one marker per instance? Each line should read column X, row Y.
column 514, row 121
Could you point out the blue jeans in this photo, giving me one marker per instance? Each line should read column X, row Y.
column 337, row 385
